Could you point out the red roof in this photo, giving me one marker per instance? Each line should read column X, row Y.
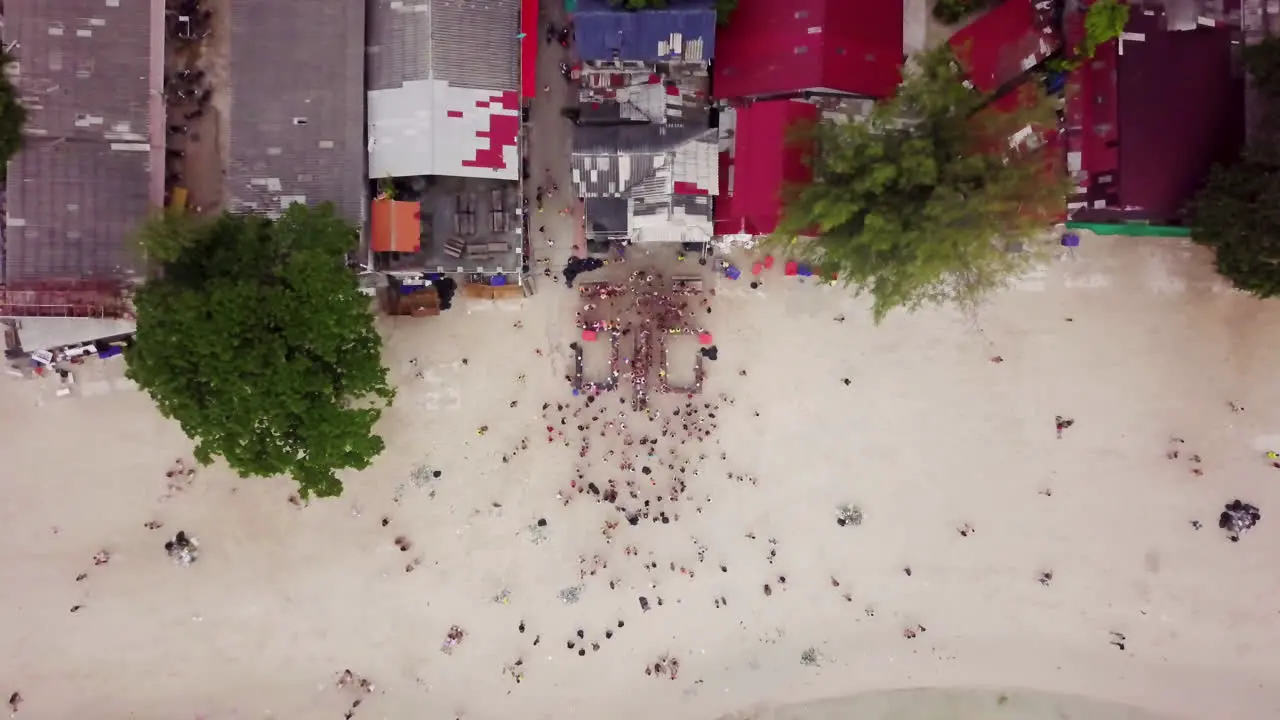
column 1049, row 142
column 529, row 49
column 783, row 48
column 998, row 47
column 762, row 164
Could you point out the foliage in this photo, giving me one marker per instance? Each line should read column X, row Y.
column 639, row 4
column 1263, row 62
column 920, row 203
column 724, row 9
column 255, row 338
column 950, row 12
column 1103, row 22
column 12, row 116
column 1237, row 213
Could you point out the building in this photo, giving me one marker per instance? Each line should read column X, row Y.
column 645, row 158
column 776, row 63
column 1129, row 160
column 809, row 47
column 444, row 111
column 1004, row 43
column 760, row 157
column 90, row 75
column 683, row 31
column 297, row 117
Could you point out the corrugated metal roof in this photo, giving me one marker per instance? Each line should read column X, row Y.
column 73, row 208
column 760, row 165
column 297, row 105
column 1004, row 43
column 1184, row 75
column 684, row 30
column 466, row 43
column 79, row 189
column 772, row 48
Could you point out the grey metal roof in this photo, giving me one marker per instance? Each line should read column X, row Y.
column 466, row 43
column 606, row 216
column 73, row 208
column 297, row 105
column 83, row 183
column 611, row 161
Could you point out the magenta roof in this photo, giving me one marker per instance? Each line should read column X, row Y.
column 1010, row 39
column 772, row 48
column 761, row 165
column 1181, row 110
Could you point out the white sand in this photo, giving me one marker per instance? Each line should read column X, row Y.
column 929, row 435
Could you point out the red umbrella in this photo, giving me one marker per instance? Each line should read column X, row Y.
column 589, row 335
column 704, row 338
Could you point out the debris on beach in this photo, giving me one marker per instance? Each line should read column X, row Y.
column 183, row 549
column 811, row 657
column 1238, row 518
column 452, row 639
column 665, row 666
column 102, row 557
column 423, row 477
column 1062, row 423
column 504, row 598
column 848, row 515
column 538, row 531
column 571, row 594
column 1118, row 639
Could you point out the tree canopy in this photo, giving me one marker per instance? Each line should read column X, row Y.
column 12, row 116
column 1237, row 212
column 923, row 201
column 255, row 337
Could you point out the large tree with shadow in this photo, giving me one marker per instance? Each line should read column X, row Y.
column 254, row 336
column 12, row 116
column 1237, row 213
column 927, row 201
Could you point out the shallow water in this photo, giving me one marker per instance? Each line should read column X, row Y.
column 955, row 704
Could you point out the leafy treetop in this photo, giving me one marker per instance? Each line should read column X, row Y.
column 12, row 116
column 1237, row 213
column 919, row 203
column 256, row 339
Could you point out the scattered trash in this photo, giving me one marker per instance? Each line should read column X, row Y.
column 422, row 477
column 571, row 594
column 452, row 639
column 848, row 516
column 183, row 549
column 1062, row 423
column 504, row 598
column 1237, row 518
column 810, row 657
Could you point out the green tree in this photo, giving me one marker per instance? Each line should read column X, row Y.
column 921, row 202
column 1237, row 212
column 12, row 116
column 255, row 338
column 724, row 9
column 1104, row 21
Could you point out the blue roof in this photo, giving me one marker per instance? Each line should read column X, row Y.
column 603, row 32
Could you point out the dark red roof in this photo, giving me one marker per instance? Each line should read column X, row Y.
column 1092, row 122
column 763, row 163
column 772, row 47
column 1003, row 44
column 1181, row 111
column 529, row 39
column 1048, row 144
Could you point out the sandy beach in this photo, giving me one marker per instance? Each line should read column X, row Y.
column 1013, row 573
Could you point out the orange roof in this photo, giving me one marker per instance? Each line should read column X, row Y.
column 396, row 225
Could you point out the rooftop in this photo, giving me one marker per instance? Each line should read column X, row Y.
column 84, row 180
column 683, row 30
column 444, row 88
column 826, row 46
column 1187, row 75
column 1130, row 161
column 298, row 132
column 449, row 224
column 1005, row 42
column 757, row 162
